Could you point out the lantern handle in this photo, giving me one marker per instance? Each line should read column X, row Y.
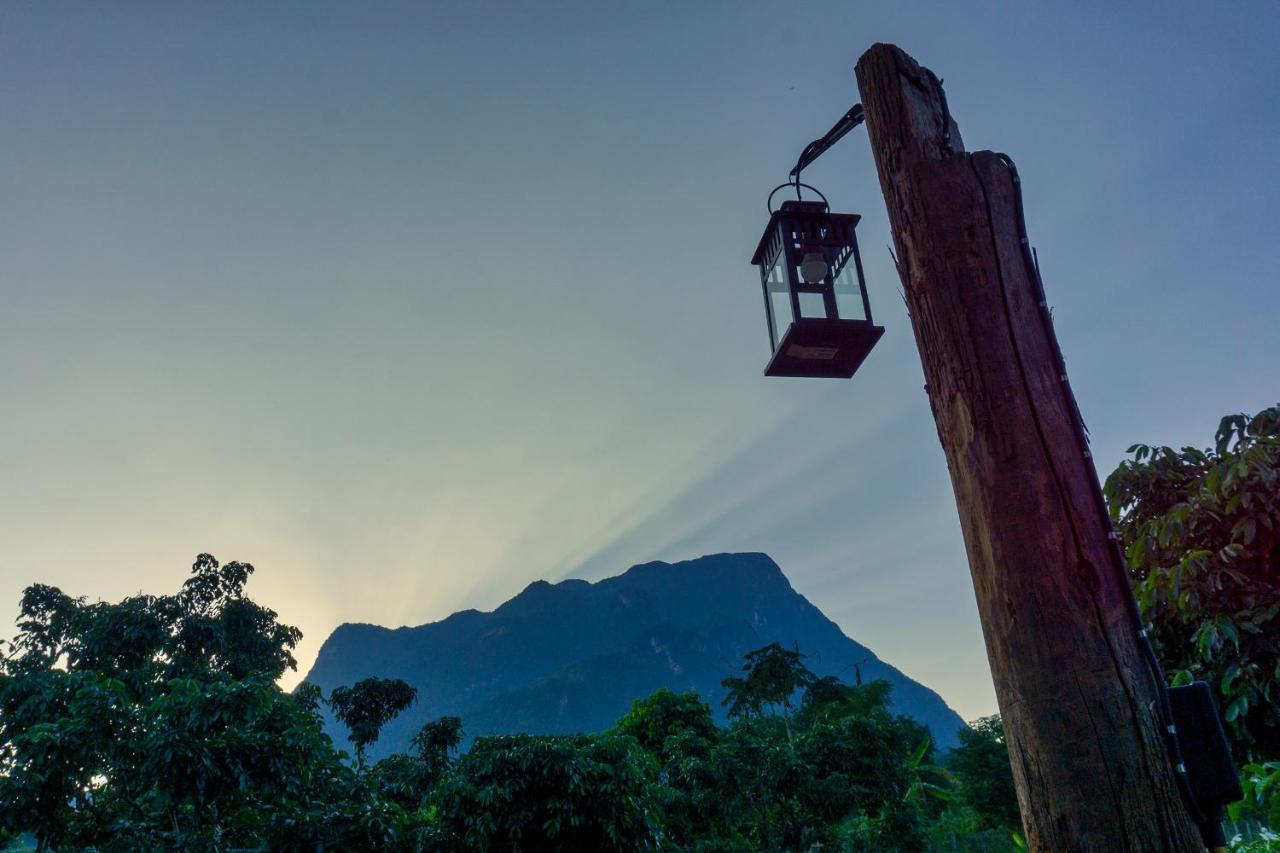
column 797, row 185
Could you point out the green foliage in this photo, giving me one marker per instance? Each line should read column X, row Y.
column 826, row 690
column 367, row 706
column 410, row 779
column 773, row 676
column 438, row 739
column 892, row 829
column 850, row 770
column 224, row 633
column 1261, row 784
column 666, row 714
column 528, row 792
column 156, row 723
column 1201, row 530
column 980, row 762
column 1265, row 842
column 58, row 729
column 960, row 829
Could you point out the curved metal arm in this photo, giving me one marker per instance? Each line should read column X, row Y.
column 817, row 147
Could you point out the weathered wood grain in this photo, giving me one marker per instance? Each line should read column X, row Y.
column 1079, row 707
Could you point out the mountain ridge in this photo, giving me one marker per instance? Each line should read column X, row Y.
column 571, row 655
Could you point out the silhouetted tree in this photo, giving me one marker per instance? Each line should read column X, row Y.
column 438, row 737
column 531, row 792
column 981, row 763
column 156, row 722
column 367, row 706
column 773, row 676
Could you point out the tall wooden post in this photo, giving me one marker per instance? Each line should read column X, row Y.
column 1080, row 707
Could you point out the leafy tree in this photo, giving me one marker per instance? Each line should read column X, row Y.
column 1201, row 530
column 666, row 714
column 773, row 676
column 438, row 738
column 156, row 722
column 826, row 691
column 527, row 792
column 959, row 829
column 981, row 764
column 862, row 759
column 367, row 706
column 410, row 779
column 222, row 632
column 892, row 828
column 830, row 698
column 695, row 810
column 677, row 729
column 57, row 730
column 763, row 785
column 850, row 771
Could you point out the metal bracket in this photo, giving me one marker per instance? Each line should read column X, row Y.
column 818, row 147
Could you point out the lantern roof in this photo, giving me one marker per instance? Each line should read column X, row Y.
column 798, row 210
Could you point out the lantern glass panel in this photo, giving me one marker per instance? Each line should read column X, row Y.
column 812, row 306
column 849, row 295
column 779, row 300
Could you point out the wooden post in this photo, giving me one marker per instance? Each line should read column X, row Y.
column 1080, row 706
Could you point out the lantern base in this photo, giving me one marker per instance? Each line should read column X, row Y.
column 823, row 348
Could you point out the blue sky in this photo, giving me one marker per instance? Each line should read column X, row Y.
column 412, row 304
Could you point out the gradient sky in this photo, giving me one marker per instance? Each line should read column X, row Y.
column 412, row 304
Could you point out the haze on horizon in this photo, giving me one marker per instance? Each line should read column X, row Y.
column 411, row 305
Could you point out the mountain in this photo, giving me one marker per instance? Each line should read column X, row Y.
column 571, row 656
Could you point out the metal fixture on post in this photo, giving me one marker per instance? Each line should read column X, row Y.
column 815, row 294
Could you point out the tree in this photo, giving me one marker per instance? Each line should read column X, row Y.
column 57, row 733
column 773, row 676
column 980, row 762
column 665, row 714
column 156, row 722
column 438, row 739
column 409, row 779
column 528, row 792
column 367, row 706
column 1201, row 531
column 826, row 691
column 843, row 771
column 849, row 762
column 677, row 729
column 221, row 632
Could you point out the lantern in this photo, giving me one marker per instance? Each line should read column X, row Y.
column 815, row 296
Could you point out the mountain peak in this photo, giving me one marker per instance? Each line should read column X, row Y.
column 571, row 656
column 752, row 563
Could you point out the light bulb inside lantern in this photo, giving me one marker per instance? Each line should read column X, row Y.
column 813, row 268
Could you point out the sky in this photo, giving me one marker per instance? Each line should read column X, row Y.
column 411, row 304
